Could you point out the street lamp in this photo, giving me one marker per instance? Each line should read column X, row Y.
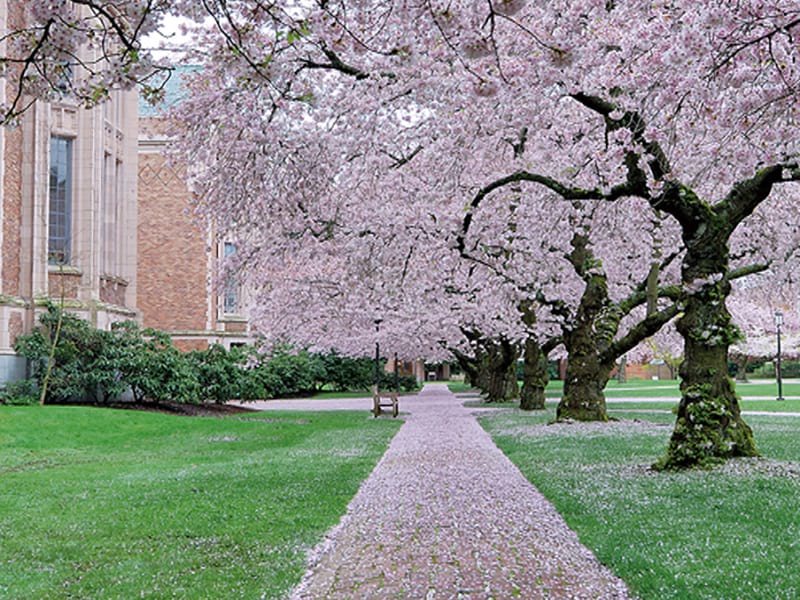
column 396, row 374
column 377, row 356
column 778, row 323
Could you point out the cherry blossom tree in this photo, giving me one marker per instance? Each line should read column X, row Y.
column 329, row 113
column 690, row 108
column 754, row 304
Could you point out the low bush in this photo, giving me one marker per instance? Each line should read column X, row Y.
column 407, row 383
column 343, row 373
column 80, row 366
column 286, row 372
column 91, row 365
column 19, row 393
column 226, row 374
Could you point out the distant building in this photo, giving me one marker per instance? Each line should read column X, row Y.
column 68, row 212
column 178, row 290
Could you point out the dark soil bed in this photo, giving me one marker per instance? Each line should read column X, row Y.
column 176, row 408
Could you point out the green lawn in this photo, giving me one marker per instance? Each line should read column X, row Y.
column 731, row 532
column 99, row 503
column 665, row 388
column 669, row 389
column 789, row 406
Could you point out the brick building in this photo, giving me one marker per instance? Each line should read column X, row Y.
column 68, row 212
column 178, row 291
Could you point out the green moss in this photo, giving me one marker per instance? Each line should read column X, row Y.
column 707, row 432
column 584, row 412
column 6, row 300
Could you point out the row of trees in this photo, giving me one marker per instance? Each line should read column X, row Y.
column 476, row 177
column 74, row 362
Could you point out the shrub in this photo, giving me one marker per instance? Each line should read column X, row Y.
column 224, row 374
column 284, row 372
column 344, row 373
column 153, row 368
column 80, row 368
column 20, row 393
column 408, row 383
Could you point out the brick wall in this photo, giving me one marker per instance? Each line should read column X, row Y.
column 172, row 264
column 646, row 371
column 236, row 326
column 189, row 345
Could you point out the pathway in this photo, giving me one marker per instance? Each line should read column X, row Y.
column 446, row 515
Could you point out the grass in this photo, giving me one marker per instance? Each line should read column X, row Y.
column 459, row 387
column 665, row 388
column 788, row 406
column 98, row 503
column 731, row 532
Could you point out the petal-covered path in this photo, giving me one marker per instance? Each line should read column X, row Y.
column 446, row 515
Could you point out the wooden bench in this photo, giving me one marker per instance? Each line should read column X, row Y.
column 381, row 401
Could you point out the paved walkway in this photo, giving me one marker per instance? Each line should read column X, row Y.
column 446, row 515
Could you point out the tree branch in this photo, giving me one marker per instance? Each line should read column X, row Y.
column 642, row 330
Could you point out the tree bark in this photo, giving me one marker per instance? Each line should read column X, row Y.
column 534, row 376
column 741, row 367
column 709, row 427
column 497, row 377
column 468, row 367
column 583, row 397
column 622, row 375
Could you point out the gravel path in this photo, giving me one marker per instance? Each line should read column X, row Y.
column 446, row 515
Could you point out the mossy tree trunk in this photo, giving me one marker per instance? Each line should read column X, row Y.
column 583, row 397
column 709, row 427
column 622, row 373
column 741, row 361
column 534, row 367
column 468, row 365
column 534, row 376
column 590, row 337
column 497, row 377
column 493, row 368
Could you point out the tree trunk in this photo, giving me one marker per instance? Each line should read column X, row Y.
column 741, row 368
column 468, row 367
column 498, row 372
column 622, row 375
column 534, row 376
column 709, row 427
column 583, row 398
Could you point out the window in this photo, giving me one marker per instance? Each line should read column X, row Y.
column 230, row 297
column 60, row 219
column 64, row 77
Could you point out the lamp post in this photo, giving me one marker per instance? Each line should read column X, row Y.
column 396, row 374
column 778, row 323
column 377, row 356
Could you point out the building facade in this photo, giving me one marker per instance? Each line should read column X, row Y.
column 179, row 291
column 68, row 212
